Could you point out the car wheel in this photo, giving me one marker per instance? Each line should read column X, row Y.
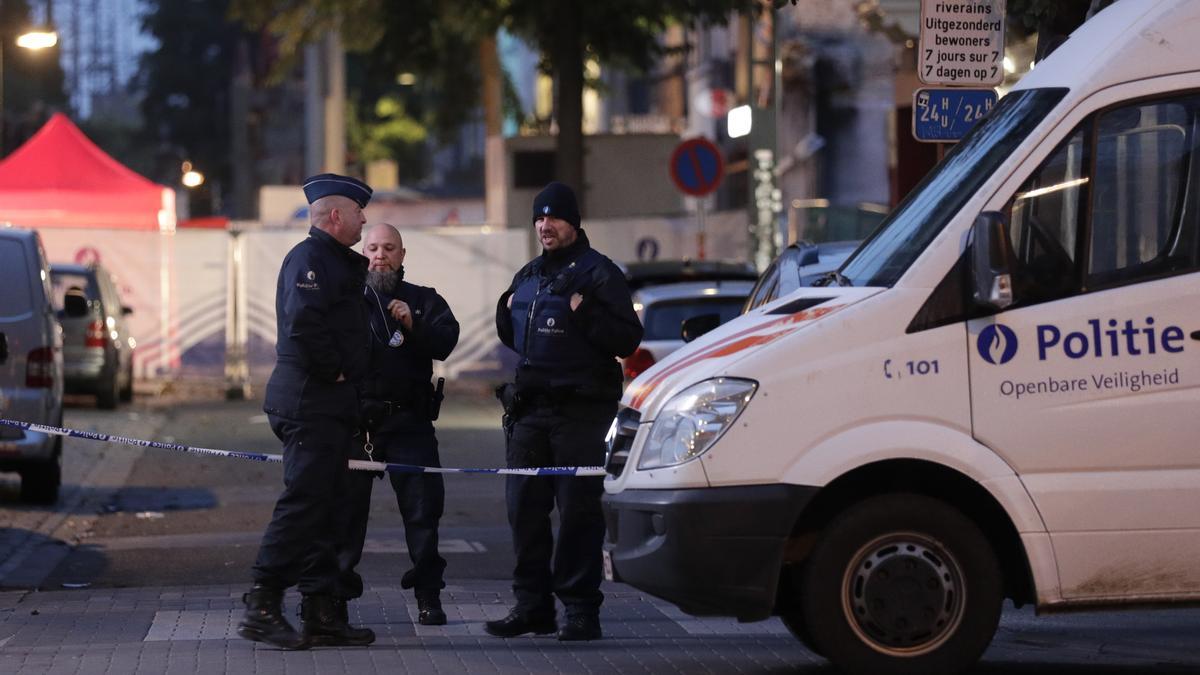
column 109, row 392
column 40, row 483
column 127, row 390
column 902, row 583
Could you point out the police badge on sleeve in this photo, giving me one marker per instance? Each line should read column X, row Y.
column 309, row 283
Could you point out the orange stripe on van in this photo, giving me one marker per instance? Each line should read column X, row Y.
column 731, row 345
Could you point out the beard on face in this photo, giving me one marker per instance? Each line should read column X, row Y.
column 382, row 281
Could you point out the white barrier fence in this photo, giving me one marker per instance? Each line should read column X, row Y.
column 201, row 295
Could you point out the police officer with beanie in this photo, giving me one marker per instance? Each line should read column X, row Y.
column 312, row 403
column 411, row 326
column 568, row 315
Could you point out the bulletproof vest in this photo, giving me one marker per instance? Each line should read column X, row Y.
column 542, row 330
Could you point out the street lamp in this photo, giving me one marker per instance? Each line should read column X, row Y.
column 32, row 40
column 37, row 39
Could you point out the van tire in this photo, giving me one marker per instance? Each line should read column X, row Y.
column 902, row 583
column 127, row 390
column 40, row 482
column 109, row 391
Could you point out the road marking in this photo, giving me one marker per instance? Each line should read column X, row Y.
column 394, row 543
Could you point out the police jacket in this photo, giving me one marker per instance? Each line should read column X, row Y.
column 565, row 349
column 403, row 373
column 322, row 331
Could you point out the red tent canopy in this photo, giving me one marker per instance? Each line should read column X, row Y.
column 59, row 178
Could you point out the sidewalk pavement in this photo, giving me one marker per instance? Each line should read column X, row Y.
column 194, row 630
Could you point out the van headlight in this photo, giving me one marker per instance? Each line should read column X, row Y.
column 692, row 421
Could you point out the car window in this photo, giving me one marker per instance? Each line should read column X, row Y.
column 1112, row 203
column 1140, row 226
column 765, row 290
column 663, row 319
column 108, row 292
column 65, row 280
column 17, row 298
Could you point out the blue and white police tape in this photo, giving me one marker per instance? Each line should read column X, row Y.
column 355, row 464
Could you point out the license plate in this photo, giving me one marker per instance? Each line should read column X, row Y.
column 608, row 567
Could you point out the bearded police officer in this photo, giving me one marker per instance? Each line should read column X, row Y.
column 312, row 403
column 568, row 314
column 410, row 327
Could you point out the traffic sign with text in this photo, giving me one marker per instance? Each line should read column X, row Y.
column 946, row 115
column 962, row 42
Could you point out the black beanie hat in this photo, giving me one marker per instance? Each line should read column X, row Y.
column 558, row 200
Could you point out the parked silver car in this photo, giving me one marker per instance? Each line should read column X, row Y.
column 663, row 310
column 799, row 265
column 31, row 366
column 97, row 346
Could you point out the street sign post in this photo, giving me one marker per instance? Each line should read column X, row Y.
column 946, row 115
column 961, row 42
column 697, row 168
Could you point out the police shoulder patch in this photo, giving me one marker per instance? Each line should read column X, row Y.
column 308, row 282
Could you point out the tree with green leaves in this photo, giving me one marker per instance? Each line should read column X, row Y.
column 1052, row 20
column 441, row 40
column 186, row 88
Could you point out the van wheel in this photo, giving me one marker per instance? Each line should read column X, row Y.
column 40, row 483
column 902, row 583
column 127, row 390
column 109, row 392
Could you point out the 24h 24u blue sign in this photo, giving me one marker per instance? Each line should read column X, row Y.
column 946, row 115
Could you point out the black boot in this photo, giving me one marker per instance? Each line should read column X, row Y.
column 325, row 621
column 519, row 622
column 429, row 609
column 580, row 627
column 264, row 622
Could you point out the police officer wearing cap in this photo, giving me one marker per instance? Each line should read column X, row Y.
column 312, row 404
column 411, row 326
column 568, row 314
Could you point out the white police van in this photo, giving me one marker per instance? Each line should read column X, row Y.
column 998, row 397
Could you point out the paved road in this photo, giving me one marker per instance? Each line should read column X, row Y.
column 141, row 566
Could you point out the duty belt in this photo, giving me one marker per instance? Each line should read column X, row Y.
column 410, row 405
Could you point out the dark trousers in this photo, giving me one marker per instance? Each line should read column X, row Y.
column 421, row 498
column 566, row 434
column 298, row 546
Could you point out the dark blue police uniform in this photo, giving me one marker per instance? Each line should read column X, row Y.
column 399, row 406
column 322, row 335
column 312, row 403
column 567, row 385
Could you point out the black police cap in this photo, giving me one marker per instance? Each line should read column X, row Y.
column 558, row 200
column 329, row 184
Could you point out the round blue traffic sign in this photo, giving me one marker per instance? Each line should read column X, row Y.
column 697, row 167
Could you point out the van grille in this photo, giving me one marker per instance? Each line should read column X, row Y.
column 622, row 441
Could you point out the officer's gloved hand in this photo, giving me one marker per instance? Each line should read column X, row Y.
column 372, row 413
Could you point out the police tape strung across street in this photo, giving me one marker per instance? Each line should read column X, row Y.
column 355, row 464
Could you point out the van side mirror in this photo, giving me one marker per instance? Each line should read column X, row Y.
column 991, row 260
column 75, row 305
column 3, row 348
column 695, row 326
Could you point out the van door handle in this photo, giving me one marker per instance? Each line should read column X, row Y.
column 3, row 347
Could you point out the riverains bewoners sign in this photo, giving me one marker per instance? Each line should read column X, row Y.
column 962, row 42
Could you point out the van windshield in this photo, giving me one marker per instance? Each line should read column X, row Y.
column 922, row 215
